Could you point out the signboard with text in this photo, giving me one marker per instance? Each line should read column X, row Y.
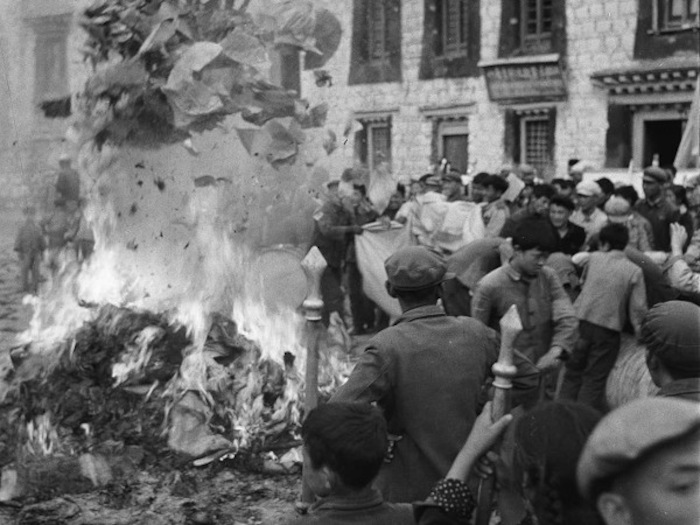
column 517, row 81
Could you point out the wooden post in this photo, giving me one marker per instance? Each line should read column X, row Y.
column 505, row 371
column 314, row 265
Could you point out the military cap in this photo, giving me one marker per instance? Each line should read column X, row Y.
column 415, row 268
column 588, row 188
column 671, row 331
column 656, row 174
column 624, row 436
column 617, row 209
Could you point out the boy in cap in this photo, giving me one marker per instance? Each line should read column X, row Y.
column 619, row 211
column 613, row 291
column 344, row 447
column 671, row 334
column 656, row 209
column 496, row 211
column 587, row 214
column 641, row 465
column 30, row 245
column 426, row 372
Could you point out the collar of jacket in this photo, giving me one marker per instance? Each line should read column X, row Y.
column 365, row 501
column 420, row 312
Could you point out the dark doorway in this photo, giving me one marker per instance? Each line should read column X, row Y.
column 662, row 137
column 455, row 150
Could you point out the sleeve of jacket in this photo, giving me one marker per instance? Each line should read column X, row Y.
column 327, row 219
column 638, row 301
column 563, row 316
column 482, row 304
column 369, row 381
column 497, row 222
column 683, row 278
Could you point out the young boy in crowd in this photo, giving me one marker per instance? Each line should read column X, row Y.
column 344, row 448
column 30, row 245
column 641, row 465
column 613, row 291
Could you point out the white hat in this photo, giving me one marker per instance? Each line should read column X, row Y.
column 588, row 188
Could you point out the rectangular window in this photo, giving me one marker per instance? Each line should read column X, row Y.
column 378, row 143
column 453, row 143
column 535, row 142
column 536, row 25
column 50, row 63
column 676, row 14
column 452, row 26
column 377, row 18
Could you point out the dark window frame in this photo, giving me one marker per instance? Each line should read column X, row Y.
column 515, row 40
column 514, row 140
column 365, row 141
column 662, row 21
column 539, row 40
column 461, row 48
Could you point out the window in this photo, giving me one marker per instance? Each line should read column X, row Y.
column 376, row 42
column 51, row 75
column 453, row 143
column 452, row 27
column 535, row 144
column 676, row 14
column 536, row 25
column 373, row 141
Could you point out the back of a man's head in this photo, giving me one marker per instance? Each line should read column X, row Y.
column 615, row 235
column 348, row 438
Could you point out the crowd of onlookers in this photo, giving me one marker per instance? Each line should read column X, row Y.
column 587, row 264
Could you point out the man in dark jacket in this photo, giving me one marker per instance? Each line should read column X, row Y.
column 426, row 372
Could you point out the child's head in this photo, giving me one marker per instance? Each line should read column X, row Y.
column 641, row 465
column 344, row 446
column 615, row 236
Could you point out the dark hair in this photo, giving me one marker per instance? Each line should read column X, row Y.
column 543, row 190
column 564, row 202
column 572, row 162
column 628, row 193
column 497, row 183
column 564, row 183
column 416, row 297
column 548, row 442
column 361, row 188
column 615, row 234
column 534, row 233
column 679, row 192
column 606, row 185
column 481, row 178
column 401, row 188
column 348, row 438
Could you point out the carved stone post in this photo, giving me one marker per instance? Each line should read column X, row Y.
column 314, row 264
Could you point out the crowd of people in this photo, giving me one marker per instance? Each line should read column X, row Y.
column 409, row 437
column 56, row 235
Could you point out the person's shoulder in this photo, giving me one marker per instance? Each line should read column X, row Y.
column 494, row 277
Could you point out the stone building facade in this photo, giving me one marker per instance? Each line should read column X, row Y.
column 485, row 83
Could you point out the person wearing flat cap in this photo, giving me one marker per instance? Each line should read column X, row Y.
column 656, row 209
column 641, row 464
column 426, row 372
column 671, row 334
column 587, row 214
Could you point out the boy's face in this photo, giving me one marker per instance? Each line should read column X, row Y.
column 558, row 215
column 529, row 262
column 478, row 192
column 318, row 479
column 663, row 490
column 492, row 194
column 541, row 205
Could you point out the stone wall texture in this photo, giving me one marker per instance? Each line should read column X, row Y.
column 600, row 35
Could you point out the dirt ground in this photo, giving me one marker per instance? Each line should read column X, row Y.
column 157, row 494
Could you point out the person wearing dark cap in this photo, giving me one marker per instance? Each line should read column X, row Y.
column 496, row 211
column 656, row 209
column 452, row 187
column 641, row 464
column 426, row 372
column 671, row 334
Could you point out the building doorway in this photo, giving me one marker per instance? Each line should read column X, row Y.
column 662, row 137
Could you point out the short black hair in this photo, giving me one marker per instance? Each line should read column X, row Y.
column 628, row 193
column 534, row 233
column 679, row 192
column 497, row 183
column 348, row 438
column 564, row 202
column 543, row 190
column 480, row 178
column 606, row 185
column 614, row 234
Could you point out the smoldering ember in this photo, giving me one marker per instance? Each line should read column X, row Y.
column 379, row 261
